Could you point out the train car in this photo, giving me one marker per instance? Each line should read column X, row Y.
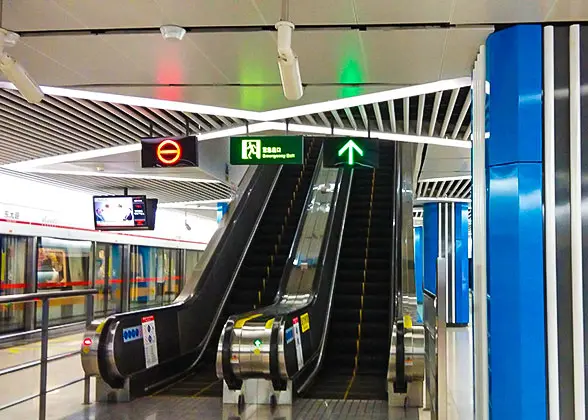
column 130, row 271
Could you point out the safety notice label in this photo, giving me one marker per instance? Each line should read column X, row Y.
column 149, row 341
column 298, row 342
column 304, row 320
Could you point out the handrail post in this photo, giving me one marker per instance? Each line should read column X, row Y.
column 89, row 318
column 44, row 354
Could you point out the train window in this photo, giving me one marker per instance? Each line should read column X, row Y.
column 63, row 265
column 107, row 279
column 155, row 276
column 13, row 256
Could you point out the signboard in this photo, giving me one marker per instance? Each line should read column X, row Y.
column 149, row 341
column 305, row 321
column 350, row 151
column 168, row 152
column 267, row 150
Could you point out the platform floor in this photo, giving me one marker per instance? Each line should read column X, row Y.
column 67, row 403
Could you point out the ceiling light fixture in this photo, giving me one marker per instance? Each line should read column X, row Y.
column 14, row 72
column 172, row 32
column 287, row 58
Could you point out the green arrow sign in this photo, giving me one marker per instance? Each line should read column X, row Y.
column 349, row 147
column 257, row 343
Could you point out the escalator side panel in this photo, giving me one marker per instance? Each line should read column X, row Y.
column 258, row 279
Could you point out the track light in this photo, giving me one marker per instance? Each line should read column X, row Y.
column 14, row 72
column 288, row 62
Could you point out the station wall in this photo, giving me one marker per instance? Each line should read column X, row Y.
column 35, row 209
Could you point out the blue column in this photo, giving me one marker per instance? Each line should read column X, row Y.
column 462, row 271
column 418, row 262
column 516, row 314
column 430, row 246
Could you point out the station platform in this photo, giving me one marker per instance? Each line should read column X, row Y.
column 67, row 403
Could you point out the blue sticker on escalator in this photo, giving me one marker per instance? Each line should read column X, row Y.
column 289, row 335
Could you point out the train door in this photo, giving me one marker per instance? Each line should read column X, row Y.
column 107, row 280
column 13, row 256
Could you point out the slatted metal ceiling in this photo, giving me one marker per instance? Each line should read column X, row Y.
column 443, row 114
column 456, row 188
column 62, row 125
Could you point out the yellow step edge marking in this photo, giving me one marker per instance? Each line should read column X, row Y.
column 269, row 324
column 241, row 322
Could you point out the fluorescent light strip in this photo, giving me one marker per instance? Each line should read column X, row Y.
column 141, row 101
column 127, row 176
column 72, row 157
column 369, row 98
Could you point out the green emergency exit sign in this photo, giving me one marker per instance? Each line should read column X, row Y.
column 267, row 150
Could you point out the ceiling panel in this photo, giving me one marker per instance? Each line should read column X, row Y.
column 310, row 12
column 24, row 15
column 446, row 161
column 210, row 12
column 404, row 56
column 461, row 48
column 569, row 10
column 249, row 58
column 500, row 11
column 330, row 57
column 403, row 11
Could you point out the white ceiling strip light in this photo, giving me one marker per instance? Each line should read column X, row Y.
column 123, row 175
column 449, row 112
column 433, row 122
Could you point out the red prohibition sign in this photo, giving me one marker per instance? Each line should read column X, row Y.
column 169, row 152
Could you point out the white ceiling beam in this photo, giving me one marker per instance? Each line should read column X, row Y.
column 162, row 126
column 455, row 188
column 435, row 114
column 468, row 132
column 211, row 121
column 462, row 114
column 311, row 119
column 421, row 111
column 350, row 118
column 448, row 178
column 124, row 175
column 379, row 122
column 202, row 126
column 324, row 119
column 449, row 112
column 462, row 190
column 124, row 116
column 392, row 115
column 364, row 118
column 369, row 98
column 297, row 120
column 338, row 119
column 406, row 114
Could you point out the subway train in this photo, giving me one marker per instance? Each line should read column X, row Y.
column 130, row 271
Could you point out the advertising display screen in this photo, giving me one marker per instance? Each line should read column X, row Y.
column 120, row 212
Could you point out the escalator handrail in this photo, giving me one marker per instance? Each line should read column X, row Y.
column 323, row 343
column 221, row 306
column 299, row 228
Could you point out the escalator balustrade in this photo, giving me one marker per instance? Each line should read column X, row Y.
column 258, row 280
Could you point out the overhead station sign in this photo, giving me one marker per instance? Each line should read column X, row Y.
column 169, row 152
column 267, row 150
column 351, row 151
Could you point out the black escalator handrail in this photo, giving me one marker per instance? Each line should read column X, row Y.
column 299, row 228
column 221, row 306
column 320, row 352
column 222, row 242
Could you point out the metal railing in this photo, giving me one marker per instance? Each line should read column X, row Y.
column 44, row 360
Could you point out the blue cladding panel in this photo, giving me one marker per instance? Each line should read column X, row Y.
column 515, row 74
column 516, row 313
column 418, row 262
column 515, row 271
column 462, row 307
column 431, row 245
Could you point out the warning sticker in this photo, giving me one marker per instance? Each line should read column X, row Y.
column 149, row 341
column 298, row 342
column 305, row 322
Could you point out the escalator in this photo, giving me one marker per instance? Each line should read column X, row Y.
column 262, row 268
column 358, row 342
